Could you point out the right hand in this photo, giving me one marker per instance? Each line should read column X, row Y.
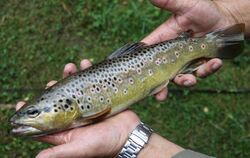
column 199, row 16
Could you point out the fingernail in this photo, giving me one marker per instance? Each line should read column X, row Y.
column 216, row 66
column 187, row 83
column 179, row 75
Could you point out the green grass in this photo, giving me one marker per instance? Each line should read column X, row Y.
column 37, row 38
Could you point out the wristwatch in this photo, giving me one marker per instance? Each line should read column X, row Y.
column 136, row 141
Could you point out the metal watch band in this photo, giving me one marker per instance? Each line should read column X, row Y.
column 136, row 141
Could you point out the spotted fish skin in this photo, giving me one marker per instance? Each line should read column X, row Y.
column 116, row 83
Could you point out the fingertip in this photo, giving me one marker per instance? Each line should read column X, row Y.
column 215, row 64
column 85, row 64
column 20, row 104
column 44, row 153
column 69, row 69
column 168, row 30
column 185, row 80
column 50, row 83
column 210, row 67
column 162, row 95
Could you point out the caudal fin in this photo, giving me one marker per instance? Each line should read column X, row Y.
column 230, row 41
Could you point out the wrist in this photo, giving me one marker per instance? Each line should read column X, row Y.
column 159, row 147
column 126, row 125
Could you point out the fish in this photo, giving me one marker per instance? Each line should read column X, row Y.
column 128, row 75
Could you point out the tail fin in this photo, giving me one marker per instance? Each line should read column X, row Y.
column 230, row 41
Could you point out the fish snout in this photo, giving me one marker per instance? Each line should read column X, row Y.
column 12, row 119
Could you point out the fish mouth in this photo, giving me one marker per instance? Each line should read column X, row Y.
column 24, row 130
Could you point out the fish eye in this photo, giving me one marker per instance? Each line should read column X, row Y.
column 33, row 112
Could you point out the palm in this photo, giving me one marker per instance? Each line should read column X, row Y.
column 201, row 16
column 101, row 139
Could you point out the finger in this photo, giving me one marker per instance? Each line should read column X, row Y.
column 208, row 68
column 57, row 138
column 168, row 30
column 69, row 69
column 19, row 105
column 162, row 95
column 185, row 80
column 85, row 64
column 62, row 151
column 175, row 6
column 51, row 83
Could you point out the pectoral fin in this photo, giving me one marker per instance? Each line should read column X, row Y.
column 159, row 88
column 91, row 118
column 193, row 66
column 101, row 114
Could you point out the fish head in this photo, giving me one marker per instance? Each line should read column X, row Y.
column 44, row 117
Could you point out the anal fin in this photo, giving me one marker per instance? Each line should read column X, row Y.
column 193, row 66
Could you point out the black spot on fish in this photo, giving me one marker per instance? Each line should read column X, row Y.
column 68, row 101
column 55, row 110
column 97, row 89
column 203, row 46
column 190, row 48
column 101, row 99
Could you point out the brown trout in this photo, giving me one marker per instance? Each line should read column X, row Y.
column 128, row 75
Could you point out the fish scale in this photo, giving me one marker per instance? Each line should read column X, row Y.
column 128, row 75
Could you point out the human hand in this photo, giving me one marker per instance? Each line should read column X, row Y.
column 103, row 139
column 199, row 16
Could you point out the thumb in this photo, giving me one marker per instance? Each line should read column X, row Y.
column 166, row 31
column 176, row 24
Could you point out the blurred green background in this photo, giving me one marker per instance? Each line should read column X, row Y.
column 37, row 38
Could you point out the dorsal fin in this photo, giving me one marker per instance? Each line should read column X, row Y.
column 126, row 49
